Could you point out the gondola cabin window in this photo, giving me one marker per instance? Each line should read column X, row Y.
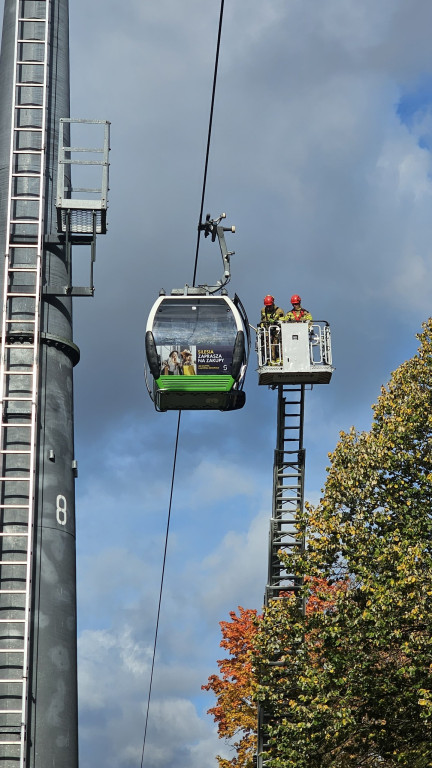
column 194, row 337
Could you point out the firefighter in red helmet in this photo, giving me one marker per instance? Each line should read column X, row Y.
column 297, row 314
column 271, row 315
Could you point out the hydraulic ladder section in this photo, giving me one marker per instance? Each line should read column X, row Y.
column 288, row 488
column 288, row 499
column 19, row 369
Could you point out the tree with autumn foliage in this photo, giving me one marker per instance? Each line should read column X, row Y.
column 352, row 682
column 235, row 688
column 236, row 710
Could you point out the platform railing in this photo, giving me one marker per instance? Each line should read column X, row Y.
column 269, row 348
column 269, row 344
column 320, row 343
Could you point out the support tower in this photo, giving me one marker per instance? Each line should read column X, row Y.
column 38, row 680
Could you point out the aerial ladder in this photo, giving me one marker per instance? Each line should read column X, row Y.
column 303, row 352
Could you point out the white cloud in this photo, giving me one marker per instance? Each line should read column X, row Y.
column 236, row 569
column 113, row 688
column 213, row 482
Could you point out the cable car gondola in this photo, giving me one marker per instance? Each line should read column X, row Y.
column 196, row 352
column 197, row 344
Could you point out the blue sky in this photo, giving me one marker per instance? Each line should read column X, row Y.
column 321, row 158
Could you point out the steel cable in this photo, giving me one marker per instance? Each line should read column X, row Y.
column 161, row 587
column 179, row 416
column 208, row 138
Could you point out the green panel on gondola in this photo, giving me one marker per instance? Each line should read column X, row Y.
column 198, row 383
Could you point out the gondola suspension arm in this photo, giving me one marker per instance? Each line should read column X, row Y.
column 212, row 227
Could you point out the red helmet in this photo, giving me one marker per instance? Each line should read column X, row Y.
column 268, row 300
column 295, row 299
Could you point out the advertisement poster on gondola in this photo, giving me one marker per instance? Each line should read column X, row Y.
column 214, row 360
column 177, row 360
column 205, row 359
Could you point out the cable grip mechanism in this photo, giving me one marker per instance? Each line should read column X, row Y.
column 213, row 228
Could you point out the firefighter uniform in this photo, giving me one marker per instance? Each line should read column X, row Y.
column 270, row 315
column 298, row 316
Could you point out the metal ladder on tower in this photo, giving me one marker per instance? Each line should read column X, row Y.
column 288, row 488
column 19, row 369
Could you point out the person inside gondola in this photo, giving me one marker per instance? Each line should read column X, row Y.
column 172, row 365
